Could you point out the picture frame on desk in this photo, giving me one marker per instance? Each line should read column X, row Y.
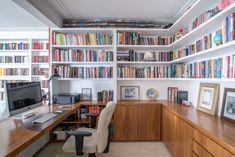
column 228, row 105
column 208, row 98
column 86, row 94
column 130, row 92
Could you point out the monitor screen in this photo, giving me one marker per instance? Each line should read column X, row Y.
column 23, row 96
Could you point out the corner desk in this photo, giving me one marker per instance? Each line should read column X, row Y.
column 17, row 134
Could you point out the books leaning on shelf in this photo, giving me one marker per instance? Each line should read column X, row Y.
column 144, row 72
column 136, row 38
column 14, row 59
column 132, row 55
column 172, row 94
column 14, row 46
column 73, row 55
column 40, row 71
column 40, row 59
column 200, row 45
column 59, row 38
column 14, row 71
column 228, row 28
column 66, row 71
column 40, row 46
column 105, row 95
column 215, row 68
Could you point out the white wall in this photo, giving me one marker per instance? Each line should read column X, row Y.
column 161, row 86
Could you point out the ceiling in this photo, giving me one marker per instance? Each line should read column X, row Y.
column 117, row 9
column 42, row 13
column 13, row 16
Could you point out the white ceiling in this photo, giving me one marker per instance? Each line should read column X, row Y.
column 165, row 10
column 13, row 16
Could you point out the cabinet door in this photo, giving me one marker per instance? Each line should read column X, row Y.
column 125, row 123
column 176, row 135
column 149, row 118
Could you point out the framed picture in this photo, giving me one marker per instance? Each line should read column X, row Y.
column 228, row 106
column 208, row 98
column 86, row 93
column 130, row 92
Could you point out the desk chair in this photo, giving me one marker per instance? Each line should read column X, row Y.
column 90, row 140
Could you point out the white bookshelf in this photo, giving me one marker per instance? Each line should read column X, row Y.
column 192, row 36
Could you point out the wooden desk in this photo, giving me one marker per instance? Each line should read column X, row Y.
column 16, row 134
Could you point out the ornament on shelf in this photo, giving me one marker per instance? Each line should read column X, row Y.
column 218, row 39
column 148, row 56
column 152, row 94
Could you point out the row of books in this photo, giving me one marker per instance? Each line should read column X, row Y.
column 225, row 3
column 228, row 28
column 59, row 38
column 215, row 68
column 40, row 59
column 105, row 95
column 14, row 59
column 40, row 45
column 44, row 83
column 133, row 55
column 40, row 71
column 61, row 55
column 14, row 46
column 144, row 72
column 14, row 71
column 203, row 44
column 172, row 94
column 204, row 17
column 85, row 72
column 135, row 38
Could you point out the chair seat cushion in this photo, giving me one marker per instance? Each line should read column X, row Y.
column 89, row 144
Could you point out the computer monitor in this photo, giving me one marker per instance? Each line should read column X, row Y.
column 23, row 96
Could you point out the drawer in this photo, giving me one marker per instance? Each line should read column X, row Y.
column 194, row 155
column 199, row 151
column 209, row 145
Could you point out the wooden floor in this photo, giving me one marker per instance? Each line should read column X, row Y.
column 117, row 149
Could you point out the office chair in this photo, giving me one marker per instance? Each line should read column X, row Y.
column 90, row 140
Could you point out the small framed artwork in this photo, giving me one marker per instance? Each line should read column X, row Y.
column 208, row 98
column 130, row 92
column 228, row 106
column 86, row 93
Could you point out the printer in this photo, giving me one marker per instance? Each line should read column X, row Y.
column 66, row 98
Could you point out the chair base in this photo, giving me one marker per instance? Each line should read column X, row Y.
column 91, row 155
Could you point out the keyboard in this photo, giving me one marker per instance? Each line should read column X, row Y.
column 44, row 118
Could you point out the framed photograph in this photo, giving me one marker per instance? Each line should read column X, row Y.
column 208, row 98
column 130, row 92
column 86, row 93
column 228, row 106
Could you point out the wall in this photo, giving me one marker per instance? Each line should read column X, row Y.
column 161, row 86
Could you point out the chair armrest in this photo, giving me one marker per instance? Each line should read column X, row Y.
column 79, row 138
column 79, row 133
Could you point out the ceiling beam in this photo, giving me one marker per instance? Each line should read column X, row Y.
column 41, row 11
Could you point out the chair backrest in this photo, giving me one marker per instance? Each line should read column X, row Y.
column 102, row 129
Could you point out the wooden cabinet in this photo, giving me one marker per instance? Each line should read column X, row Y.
column 125, row 123
column 149, row 120
column 208, row 146
column 176, row 135
column 137, row 122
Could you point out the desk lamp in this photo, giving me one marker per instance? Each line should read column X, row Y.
column 54, row 76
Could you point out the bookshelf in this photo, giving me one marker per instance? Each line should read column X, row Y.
column 17, row 51
column 209, row 26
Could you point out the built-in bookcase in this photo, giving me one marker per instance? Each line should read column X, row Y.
column 191, row 57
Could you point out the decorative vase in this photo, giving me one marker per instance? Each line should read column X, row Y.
column 218, row 39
